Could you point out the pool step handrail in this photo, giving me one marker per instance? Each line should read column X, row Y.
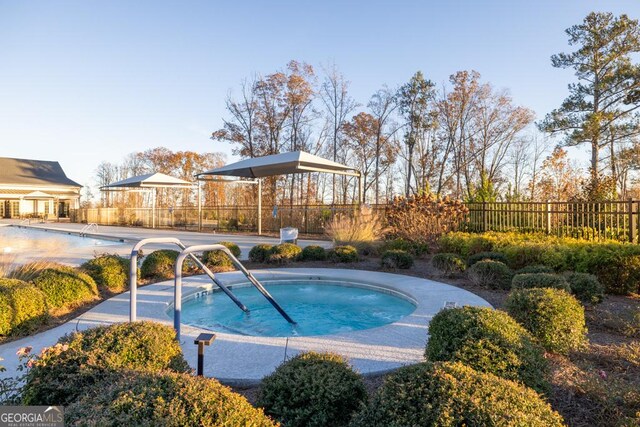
column 133, row 274
column 177, row 295
column 85, row 230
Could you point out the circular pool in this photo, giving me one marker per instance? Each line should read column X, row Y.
column 318, row 308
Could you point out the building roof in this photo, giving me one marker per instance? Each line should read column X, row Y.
column 150, row 180
column 33, row 172
column 281, row 164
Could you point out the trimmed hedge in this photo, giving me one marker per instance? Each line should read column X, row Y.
column 312, row 389
column 219, row 260
column 553, row 316
column 260, row 253
column 394, row 259
column 537, row 268
column 618, row 271
column 163, row 399
column 452, row 394
column 448, row 264
column 314, row 253
column 110, row 272
column 585, row 287
column 82, row 359
column 159, row 265
column 490, row 274
column 343, row 254
column 284, row 252
column 22, row 307
column 414, row 248
column 65, row 287
column 539, row 280
column 489, row 341
column 482, row 256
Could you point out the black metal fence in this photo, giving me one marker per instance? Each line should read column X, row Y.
column 616, row 220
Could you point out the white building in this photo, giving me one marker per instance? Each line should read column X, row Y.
column 36, row 188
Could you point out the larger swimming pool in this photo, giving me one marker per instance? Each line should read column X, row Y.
column 318, row 308
column 16, row 239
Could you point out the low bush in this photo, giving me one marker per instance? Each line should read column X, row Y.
column 415, row 248
column 452, row 394
column 489, row 341
column 314, row 253
column 396, row 259
column 343, row 254
column 585, row 287
column 483, row 256
column 312, row 389
column 490, row 274
column 465, row 244
column 159, row 265
column 539, row 280
column 448, row 264
column 617, row 268
column 536, row 268
column 284, row 253
column 22, row 307
column 80, row 360
column 553, row 316
column 260, row 253
column 218, row 260
column 65, row 287
column 110, row 272
column 167, row 399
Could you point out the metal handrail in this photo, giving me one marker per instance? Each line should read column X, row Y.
column 133, row 274
column 177, row 296
column 85, row 230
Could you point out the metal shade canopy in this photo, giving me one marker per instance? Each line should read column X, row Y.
column 278, row 164
column 150, row 181
column 281, row 164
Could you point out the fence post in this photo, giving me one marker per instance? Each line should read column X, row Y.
column 548, row 216
column 633, row 221
column 484, row 216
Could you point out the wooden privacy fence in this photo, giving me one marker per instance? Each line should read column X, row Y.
column 616, row 220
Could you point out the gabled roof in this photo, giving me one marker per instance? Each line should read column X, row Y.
column 33, row 172
column 150, row 180
column 281, row 164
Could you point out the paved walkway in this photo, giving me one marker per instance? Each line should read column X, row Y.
column 246, row 359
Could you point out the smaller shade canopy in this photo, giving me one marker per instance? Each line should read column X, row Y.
column 281, row 164
column 150, row 180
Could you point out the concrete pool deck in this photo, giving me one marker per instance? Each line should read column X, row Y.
column 245, row 359
column 78, row 255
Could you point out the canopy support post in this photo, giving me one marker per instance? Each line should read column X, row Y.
column 199, row 206
column 259, row 206
column 153, row 207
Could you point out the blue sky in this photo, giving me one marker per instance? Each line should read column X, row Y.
column 87, row 81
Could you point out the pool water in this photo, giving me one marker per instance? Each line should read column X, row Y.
column 318, row 307
column 23, row 238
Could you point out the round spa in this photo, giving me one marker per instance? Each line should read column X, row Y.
column 319, row 307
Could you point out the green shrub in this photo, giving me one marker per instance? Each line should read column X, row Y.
column 159, row 265
column 490, row 274
column 82, row 359
column 465, row 244
column 452, row 394
column 219, row 260
column 396, row 259
column 482, row 256
column 260, row 253
column 110, row 272
column 585, row 287
column 618, row 271
column 314, row 253
column 489, row 341
column 553, row 316
column 65, row 287
column 343, row 254
column 284, row 252
column 167, row 399
column 22, row 307
column 415, row 248
column 448, row 263
column 535, row 269
column 539, row 280
column 312, row 389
